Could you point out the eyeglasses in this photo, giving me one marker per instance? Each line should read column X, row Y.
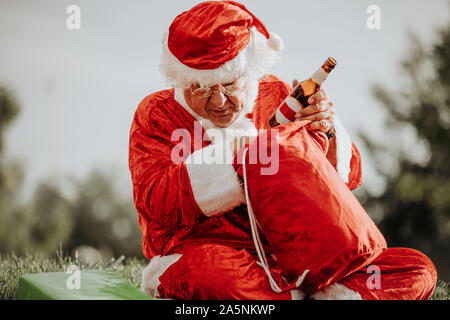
column 230, row 90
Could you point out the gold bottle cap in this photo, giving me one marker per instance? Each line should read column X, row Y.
column 329, row 64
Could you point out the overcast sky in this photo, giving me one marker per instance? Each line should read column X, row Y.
column 78, row 89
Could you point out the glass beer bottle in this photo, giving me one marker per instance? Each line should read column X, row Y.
column 298, row 97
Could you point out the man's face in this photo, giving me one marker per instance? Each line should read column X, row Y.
column 221, row 103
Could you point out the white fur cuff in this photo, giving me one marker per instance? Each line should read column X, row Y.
column 155, row 269
column 336, row 291
column 215, row 183
column 297, row 294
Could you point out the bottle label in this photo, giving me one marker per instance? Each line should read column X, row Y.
column 319, row 76
column 288, row 109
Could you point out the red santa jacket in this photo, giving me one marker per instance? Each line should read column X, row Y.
column 191, row 201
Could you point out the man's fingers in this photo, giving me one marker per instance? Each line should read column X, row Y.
column 322, row 125
column 320, row 112
column 314, row 108
column 324, row 115
column 318, row 96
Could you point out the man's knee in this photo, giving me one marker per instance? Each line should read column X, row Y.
column 421, row 261
column 207, row 271
column 213, row 271
column 427, row 268
column 420, row 267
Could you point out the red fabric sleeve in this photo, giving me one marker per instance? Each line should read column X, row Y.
column 161, row 188
column 355, row 176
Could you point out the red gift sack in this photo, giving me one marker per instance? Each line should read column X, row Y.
column 313, row 223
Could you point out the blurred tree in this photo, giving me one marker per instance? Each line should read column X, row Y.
column 104, row 219
column 8, row 112
column 96, row 215
column 12, row 236
column 415, row 206
column 49, row 218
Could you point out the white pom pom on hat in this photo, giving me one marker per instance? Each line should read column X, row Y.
column 275, row 42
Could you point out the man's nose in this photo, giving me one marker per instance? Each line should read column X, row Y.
column 218, row 99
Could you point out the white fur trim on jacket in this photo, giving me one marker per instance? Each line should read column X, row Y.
column 253, row 62
column 215, row 183
column 155, row 269
column 297, row 294
column 336, row 291
column 343, row 150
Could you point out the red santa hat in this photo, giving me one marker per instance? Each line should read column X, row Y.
column 217, row 42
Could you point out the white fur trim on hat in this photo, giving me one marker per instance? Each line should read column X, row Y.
column 155, row 269
column 253, row 62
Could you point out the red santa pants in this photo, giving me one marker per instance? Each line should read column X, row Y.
column 216, row 271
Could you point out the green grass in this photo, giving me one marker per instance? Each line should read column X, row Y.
column 12, row 267
column 442, row 291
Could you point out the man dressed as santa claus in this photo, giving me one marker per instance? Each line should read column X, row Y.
column 192, row 208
